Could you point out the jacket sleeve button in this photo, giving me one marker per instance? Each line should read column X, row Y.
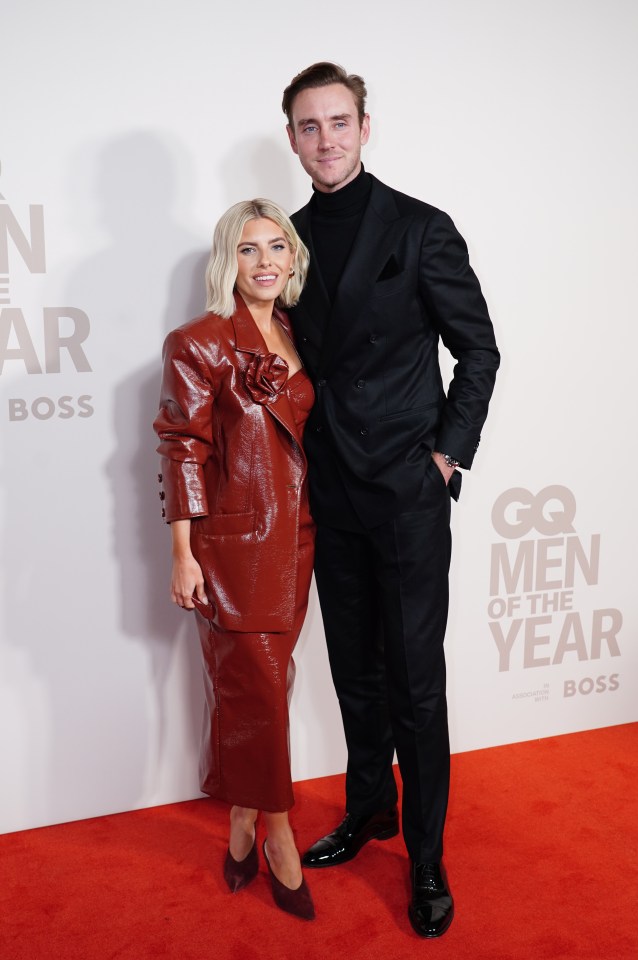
column 364, row 431
column 360, row 384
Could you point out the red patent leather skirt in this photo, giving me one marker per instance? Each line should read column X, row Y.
column 248, row 680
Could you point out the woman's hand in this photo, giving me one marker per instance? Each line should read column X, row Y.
column 186, row 578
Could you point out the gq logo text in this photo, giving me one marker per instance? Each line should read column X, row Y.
column 535, row 573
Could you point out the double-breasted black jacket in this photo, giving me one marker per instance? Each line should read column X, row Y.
column 381, row 408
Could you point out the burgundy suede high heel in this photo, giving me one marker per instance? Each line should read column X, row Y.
column 297, row 902
column 239, row 873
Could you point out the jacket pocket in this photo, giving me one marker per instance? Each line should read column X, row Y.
column 384, row 288
column 412, row 411
column 228, row 524
column 249, row 581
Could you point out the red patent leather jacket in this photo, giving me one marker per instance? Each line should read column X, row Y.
column 233, row 464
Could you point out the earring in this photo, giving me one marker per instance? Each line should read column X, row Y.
column 291, row 274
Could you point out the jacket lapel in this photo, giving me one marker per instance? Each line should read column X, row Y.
column 249, row 339
column 380, row 230
column 314, row 306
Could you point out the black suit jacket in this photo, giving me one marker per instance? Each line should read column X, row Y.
column 381, row 409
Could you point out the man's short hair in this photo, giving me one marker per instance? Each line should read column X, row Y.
column 322, row 75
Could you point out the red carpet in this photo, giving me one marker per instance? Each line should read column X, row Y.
column 541, row 853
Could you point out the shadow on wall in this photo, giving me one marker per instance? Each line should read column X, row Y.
column 143, row 284
column 174, row 283
column 259, row 168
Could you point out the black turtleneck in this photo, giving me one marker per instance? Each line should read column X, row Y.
column 334, row 221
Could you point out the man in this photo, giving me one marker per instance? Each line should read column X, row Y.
column 389, row 275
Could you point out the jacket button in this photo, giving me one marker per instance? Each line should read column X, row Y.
column 304, row 339
column 321, row 383
column 159, row 477
column 162, row 495
column 364, row 431
column 373, row 338
column 318, row 429
column 360, row 384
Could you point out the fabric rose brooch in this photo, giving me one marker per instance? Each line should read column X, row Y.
column 266, row 377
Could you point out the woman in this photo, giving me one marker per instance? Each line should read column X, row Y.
column 234, row 401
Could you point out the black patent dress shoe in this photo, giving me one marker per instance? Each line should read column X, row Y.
column 353, row 832
column 431, row 909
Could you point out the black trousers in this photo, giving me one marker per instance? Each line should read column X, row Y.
column 384, row 601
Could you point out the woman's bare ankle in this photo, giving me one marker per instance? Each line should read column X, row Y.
column 242, row 831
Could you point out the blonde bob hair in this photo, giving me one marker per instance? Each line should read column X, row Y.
column 221, row 272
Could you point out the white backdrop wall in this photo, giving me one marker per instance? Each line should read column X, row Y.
column 126, row 130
